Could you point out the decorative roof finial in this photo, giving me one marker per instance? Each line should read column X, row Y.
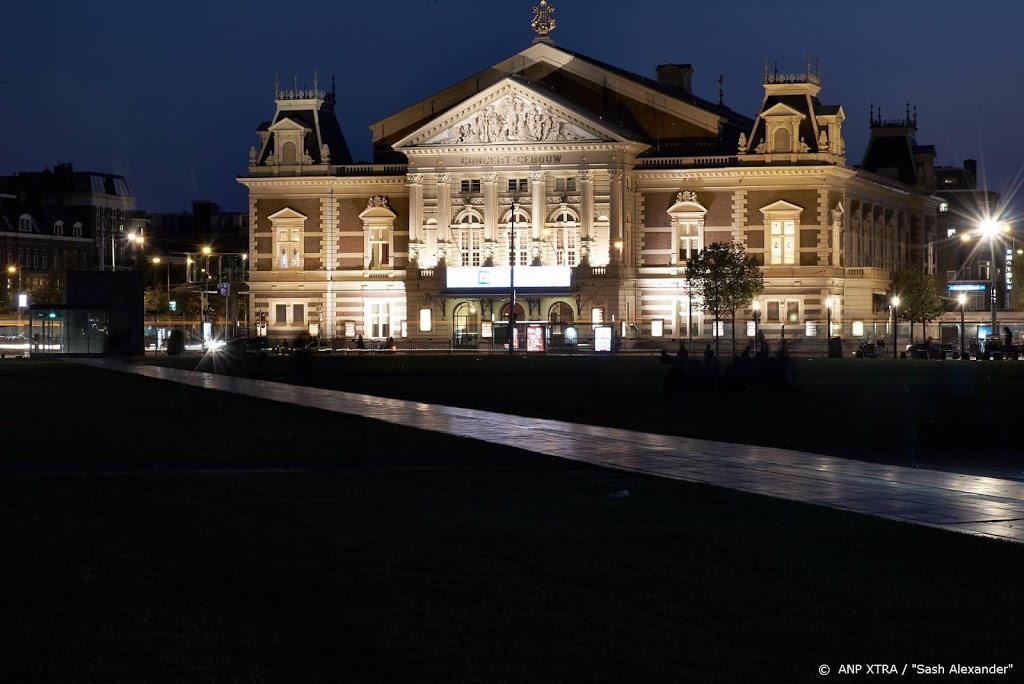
column 277, row 85
column 314, row 81
column 542, row 23
column 721, row 92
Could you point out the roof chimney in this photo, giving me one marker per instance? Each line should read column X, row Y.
column 675, row 76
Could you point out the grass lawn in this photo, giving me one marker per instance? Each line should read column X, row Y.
column 393, row 554
column 945, row 414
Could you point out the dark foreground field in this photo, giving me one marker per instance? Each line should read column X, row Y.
column 138, row 548
column 940, row 414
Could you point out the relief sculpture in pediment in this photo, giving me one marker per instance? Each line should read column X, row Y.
column 512, row 119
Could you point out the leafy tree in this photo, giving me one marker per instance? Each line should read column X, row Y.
column 1017, row 277
column 727, row 279
column 920, row 296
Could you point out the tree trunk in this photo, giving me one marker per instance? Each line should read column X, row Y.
column 734, row 333
column 714, row 332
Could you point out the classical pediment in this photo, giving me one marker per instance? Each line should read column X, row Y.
column 286, row 124
column 509, row 113
column 780, row 208
column 780, row 109
column 286, row 213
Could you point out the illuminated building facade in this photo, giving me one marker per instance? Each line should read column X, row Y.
column 595, row 186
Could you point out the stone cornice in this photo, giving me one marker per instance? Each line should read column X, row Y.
column 741, row 173
column 520, row 149
column 398, row 182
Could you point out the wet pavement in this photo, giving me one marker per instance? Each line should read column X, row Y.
column 973, row 504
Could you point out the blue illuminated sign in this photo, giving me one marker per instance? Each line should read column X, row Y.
column 966, row 287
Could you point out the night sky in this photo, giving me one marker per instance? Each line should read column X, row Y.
column 169, row 94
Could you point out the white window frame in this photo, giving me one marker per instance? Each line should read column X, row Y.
column 58, row 227
column 524, row 236
column 289, row 319
column 469, row 235
column 76, row 229
column 782, row 234
column 377, row 318
column 289, row 227
column 564, row 227
column 25, row 223
column 687, row 221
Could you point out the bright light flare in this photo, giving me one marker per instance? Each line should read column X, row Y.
column 990, row 227
column 962, row 298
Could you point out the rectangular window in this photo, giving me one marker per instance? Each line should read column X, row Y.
column 597, row 315
column 350, row 329
column 518, row 184
column 471, row 240
column 298, row 315
column 378, row 319
column 773, row 314
column 983, row 270
column 811, row 329
column 688, row 235
column 46, row 259
column 35, row 258
column 289, row 248
column 470, row 186
column 565, row 184
column 718, row 328
column 657, row 327
column 281, row 314
column 858, row 328
column 783, row 242
column 425, row 320
column 380, row 248
column 792, row 311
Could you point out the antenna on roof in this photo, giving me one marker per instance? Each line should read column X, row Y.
column 915, row 115
column 277, row 84
column 871, row 113
column 721, row 93
column 908, row 112
column 314, row 81
column 766, row 68
column 807, row 68
column 817, row 68
column 333, row 91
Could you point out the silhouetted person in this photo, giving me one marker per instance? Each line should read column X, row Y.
column 359, row 343
column 666, row 358
column 682, row 355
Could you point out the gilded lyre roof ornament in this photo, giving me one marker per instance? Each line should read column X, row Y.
column 543, row 23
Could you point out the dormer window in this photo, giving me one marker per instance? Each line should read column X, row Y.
column 783, row 141
column 25, row 223
column 58, row 227
column 76, row 229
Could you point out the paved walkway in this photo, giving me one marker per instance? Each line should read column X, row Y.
column 971, row 504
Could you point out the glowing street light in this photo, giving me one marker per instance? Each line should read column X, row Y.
column 895, row 322
column 963, row 302
column 991, row 229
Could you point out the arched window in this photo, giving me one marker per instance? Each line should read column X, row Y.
column 520, row 312
column 783, row 141
column 58, row 227
column 76, row 229
column 466, row 325
column 469, row 229
column 561, row 312
column 288, row 153
column 523, row 236
column 564, row 228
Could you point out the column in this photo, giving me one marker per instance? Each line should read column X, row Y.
column 539, row 214
column 415, row 182
column 615, row 219
column 490, row 216
column 444, row 212
column 586, row 177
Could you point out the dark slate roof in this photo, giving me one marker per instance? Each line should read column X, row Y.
column 807, row 105
column 826, row 110
column 677, row 93
column 264, row 125
column 330, row 134
column 891, row 156
column 926, row 149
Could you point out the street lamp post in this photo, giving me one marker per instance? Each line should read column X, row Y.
column 990, row 228
column 756, row 306
column 512, row 279
column 963, row 302
column 895, row 323
column 10, row 271
column 828, row 309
